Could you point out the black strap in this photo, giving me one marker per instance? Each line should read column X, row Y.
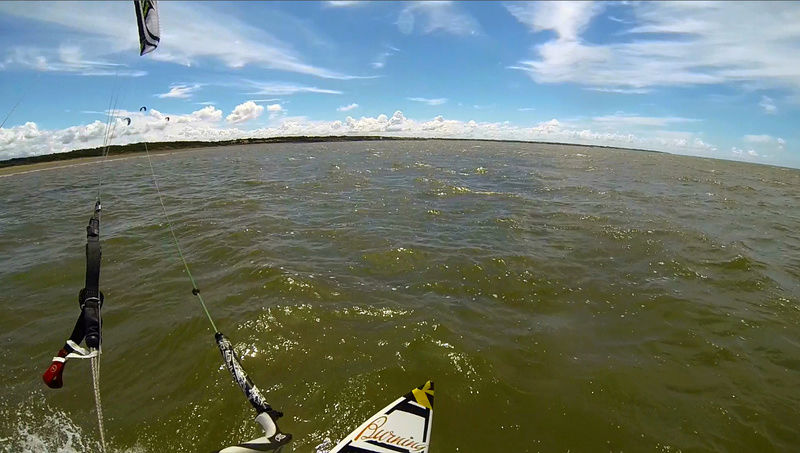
column 91, row 299
column 93, row 254
column 78, row 332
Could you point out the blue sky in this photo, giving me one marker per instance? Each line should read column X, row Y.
column 708, row 79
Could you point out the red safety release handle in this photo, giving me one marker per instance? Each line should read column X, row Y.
column 52, row 377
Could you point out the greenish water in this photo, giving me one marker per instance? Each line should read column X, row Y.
column 562, row 298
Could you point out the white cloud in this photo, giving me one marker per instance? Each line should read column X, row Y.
column 345, row 3
column 28, row 140
column 764, row 141
column 748, row 154
column 284, row 88
column 567, row 19
column 672, row 44
column 275, row 110
column 205, row 125
column 383, row 57
column 429, row 101
column 619, row 120
column 620, row 90
column 154, row 119
column 617, row 19
column 526, row 109
column 190, row 32
column 440, row 16
column 65, row 58
column 208, row 113
column 759, row 138
column 245, row 112
column 768, row 105
column 347, row 108
column 180, row 91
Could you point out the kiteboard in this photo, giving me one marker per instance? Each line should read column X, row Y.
column 403, row 426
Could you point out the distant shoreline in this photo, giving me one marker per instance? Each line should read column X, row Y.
column 20, row 165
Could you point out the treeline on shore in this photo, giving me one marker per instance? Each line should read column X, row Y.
column 116, row 150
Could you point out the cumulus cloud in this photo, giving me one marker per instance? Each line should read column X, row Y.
column 29, row 140
column 765, row 142
column 429, row 101
column 745, row 154
column 180, row 91
column 275, row 110
column 153, row 119
column 205, row 125
column 553, row 131
column 207, row 113
column 661, row 47
column 347, row 108
column 245, row 112
column 750, row 154
column 441, row 16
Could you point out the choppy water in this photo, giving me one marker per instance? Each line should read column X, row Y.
column 562, row 298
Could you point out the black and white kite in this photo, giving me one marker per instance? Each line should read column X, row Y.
column 147, row 19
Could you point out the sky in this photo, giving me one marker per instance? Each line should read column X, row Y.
column 714, row 79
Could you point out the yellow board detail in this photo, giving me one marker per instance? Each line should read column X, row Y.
column 421, row 395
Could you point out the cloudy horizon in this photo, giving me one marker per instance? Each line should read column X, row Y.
column 718, row 80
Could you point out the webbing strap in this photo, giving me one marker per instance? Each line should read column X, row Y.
column 78, row 332
column 93, row 254
column 91, row 299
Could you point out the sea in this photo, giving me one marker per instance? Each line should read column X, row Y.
column 562, row 298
